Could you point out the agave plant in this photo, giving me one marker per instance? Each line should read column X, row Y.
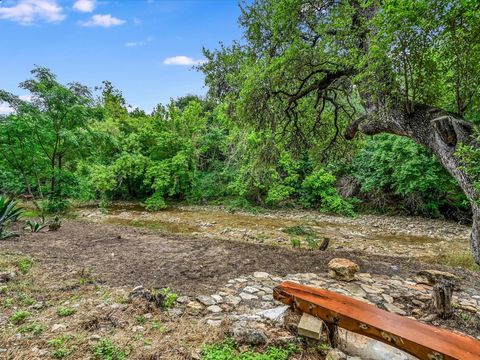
column 35, row 226
column 9, row 212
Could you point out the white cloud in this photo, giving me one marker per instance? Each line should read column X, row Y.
column 103, row 21
column 26, row 12
column 5, row 109
column 84, row 5
column 139, row 43
column 182, row 60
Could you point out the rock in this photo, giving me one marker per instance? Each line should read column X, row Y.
column 342, row 269
column 95, row 337
column 261, row 275
column 206, row 300
column 59, row 327
column 250, row 289
column 218, row 299
column 310, row 326
column 214, row 309
column 432, row 277
column 175, row 312
column 232, row 300
column 246, row 296
column 7, row 276
column 138, row 328
column 182, row 299
column 276, row 314
column 336, row 354
column 214, row 323
column 247, row 334
column 387, row 298
column 194, row 307
column 394, row 309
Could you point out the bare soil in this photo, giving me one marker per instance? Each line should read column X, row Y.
column 189, row 264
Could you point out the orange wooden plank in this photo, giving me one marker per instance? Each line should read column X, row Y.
column 423, row 341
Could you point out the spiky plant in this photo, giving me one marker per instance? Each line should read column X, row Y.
column 9, row 212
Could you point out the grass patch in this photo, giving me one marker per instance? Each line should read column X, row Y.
column 65, row 311
column 107, row 350
column 19, row 316
column 462, row 259
column 24, row 264
column 299, row 230
column 228, row 351
column 33, row 328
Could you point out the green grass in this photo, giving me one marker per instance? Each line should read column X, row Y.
column 461, row 259
column 105, row 349
column 299, row 230
column 33, row 328
column 19, row 316
column 24, row 264
column 65, row 311
column 228, row 351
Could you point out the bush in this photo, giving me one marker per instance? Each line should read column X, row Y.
column 318, row 190
column 398, row 167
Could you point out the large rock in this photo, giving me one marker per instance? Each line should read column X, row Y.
column 432, row 277
column 6, row 276
column 342, row 269
column 248, row 333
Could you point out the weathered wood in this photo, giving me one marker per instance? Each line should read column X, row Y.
column 423, row 341
column 442, row 299
column 324, row 245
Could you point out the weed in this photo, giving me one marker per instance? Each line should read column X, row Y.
column 55, row 224
column 19, row 316
column 228, row 351
column 32, row 328
column 170, row 297
column 312, row 241
column 26, row 300
column 7, row 303
column 24, row 264
column 299, row 230
column 295, row 242
column 157, row 325
column 107, row 350
column 141, row 319
column 65, row 311
column 60, row 353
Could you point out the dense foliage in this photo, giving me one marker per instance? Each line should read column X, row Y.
column 66, row 144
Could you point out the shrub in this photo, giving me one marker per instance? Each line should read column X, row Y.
column 318, row 190
column 9, row 212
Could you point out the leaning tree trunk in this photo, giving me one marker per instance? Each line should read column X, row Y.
column 438, row 131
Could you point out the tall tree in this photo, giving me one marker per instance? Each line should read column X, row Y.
column 407, row 67
column 47, row 129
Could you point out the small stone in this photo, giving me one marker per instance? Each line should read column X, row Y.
column 246, row 334
column 261, row 275
column 276, row 314
column 175, row 312
column 214, row 309
column 206, row 300
column 214, row 323
column 7, row 276
column 342, row 269
column 267, row 297
column 250, row 289
column 232, row 300
column 59, row 327
column 387, row 298
column 194, row 307
column 95, row 337
column 138, row 328
column 336, row 354
column 394, row 309
column 371, row 289
column 218, row 299
column 246, row 296
column 182, row 299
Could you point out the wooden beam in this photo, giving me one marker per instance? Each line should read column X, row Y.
column 423, row 341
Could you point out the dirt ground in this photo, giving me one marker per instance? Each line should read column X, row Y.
column 189, row 264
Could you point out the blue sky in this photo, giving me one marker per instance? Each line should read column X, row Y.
column 146, row 48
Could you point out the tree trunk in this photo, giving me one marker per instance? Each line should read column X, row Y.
column 438, row 131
